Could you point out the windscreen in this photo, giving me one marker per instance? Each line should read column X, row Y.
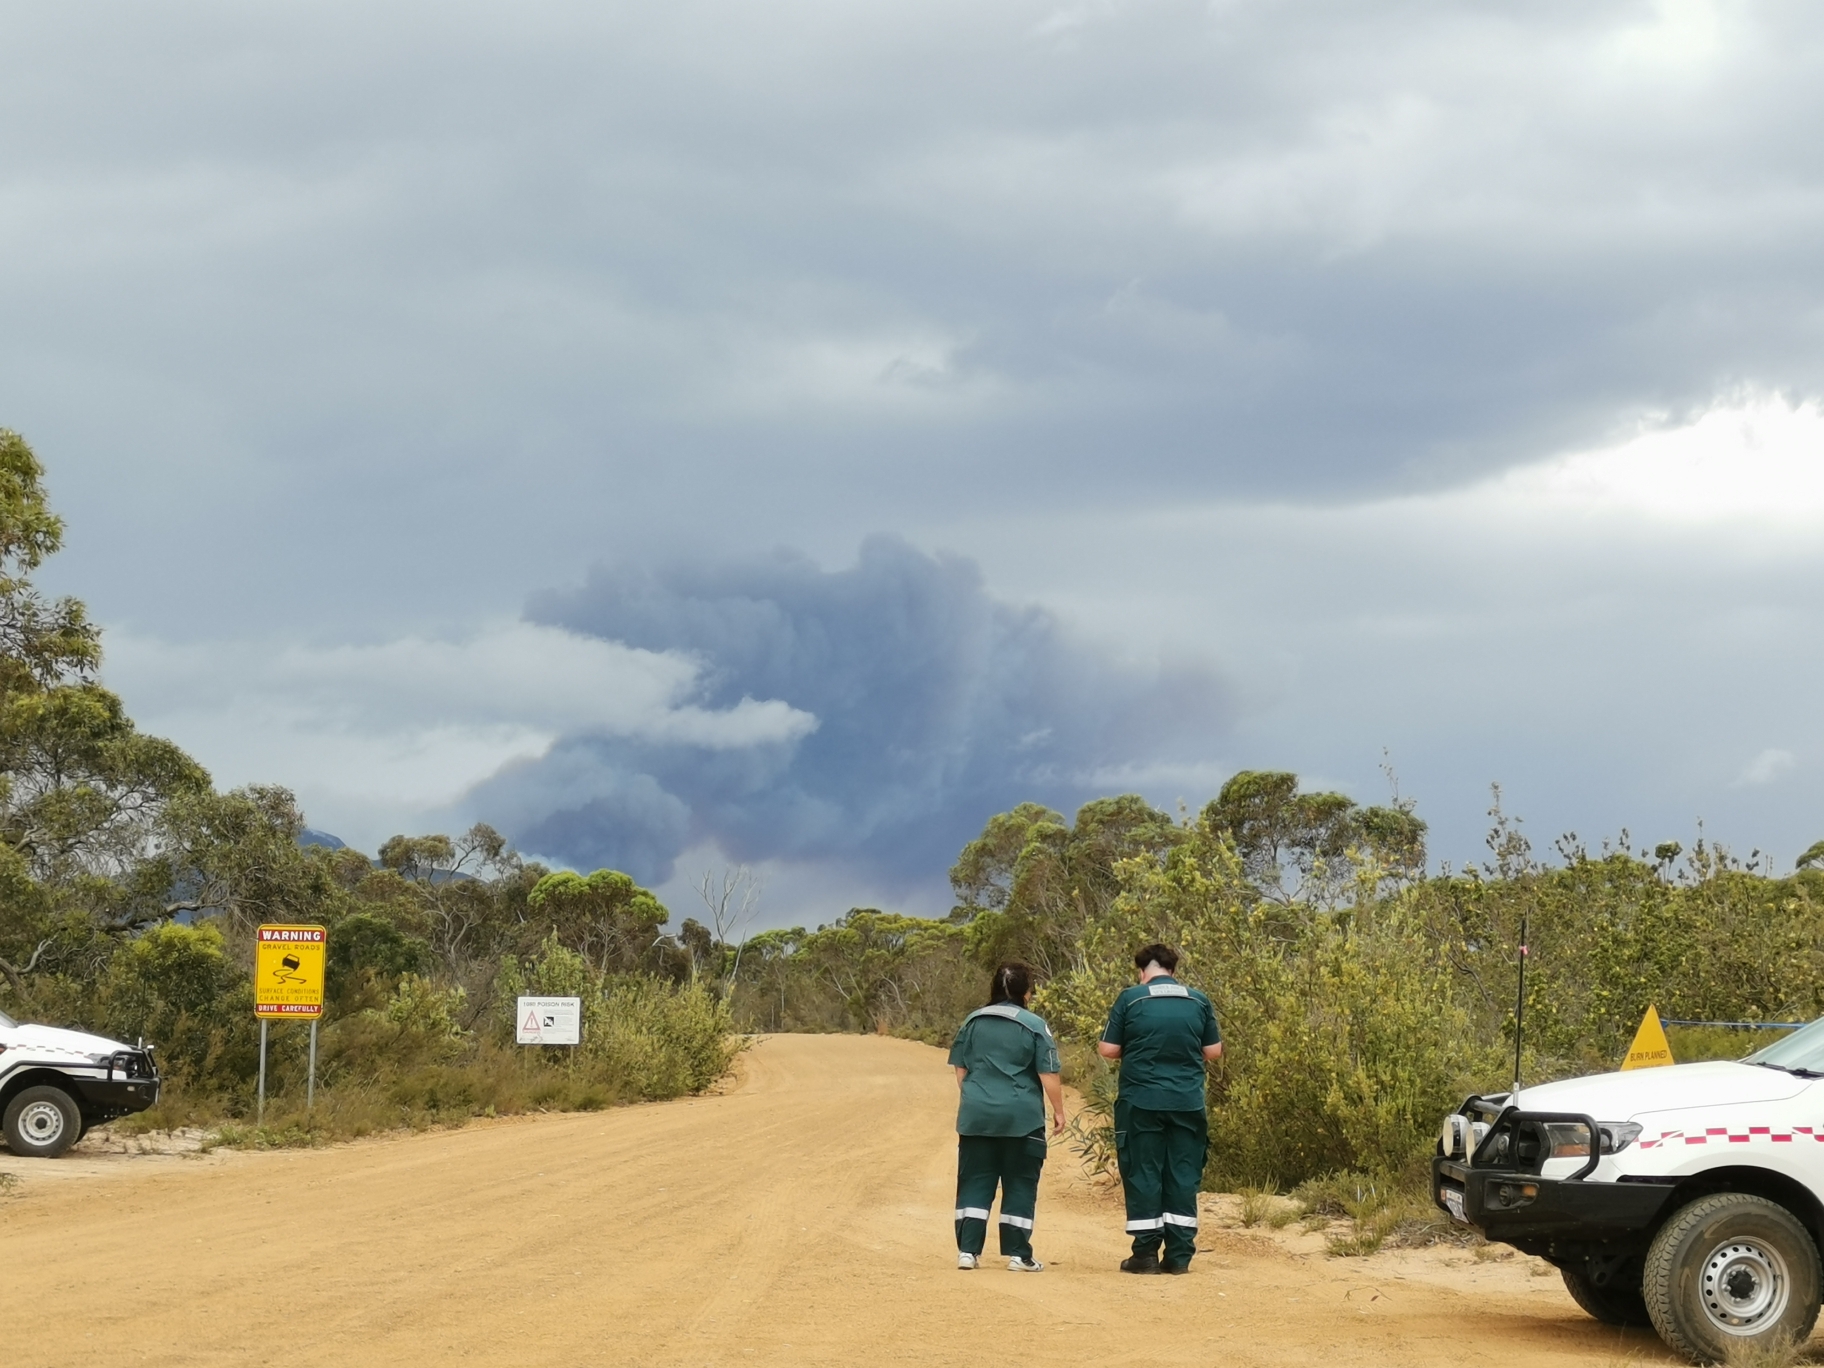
column 6, row 1021
column 1803, row 1049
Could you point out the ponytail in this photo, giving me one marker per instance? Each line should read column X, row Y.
column 1012, row 981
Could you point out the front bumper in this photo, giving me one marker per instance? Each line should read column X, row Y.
column 106, row 1098
column 1524, row 1209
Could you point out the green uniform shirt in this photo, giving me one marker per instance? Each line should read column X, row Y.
column 1004, row 1056
column 1162, row 1027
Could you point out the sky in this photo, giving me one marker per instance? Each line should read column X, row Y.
column 703, row 434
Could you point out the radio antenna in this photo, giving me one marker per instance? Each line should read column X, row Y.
column 1519, row 1013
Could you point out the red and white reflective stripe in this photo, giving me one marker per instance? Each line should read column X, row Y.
column 1724, row 1135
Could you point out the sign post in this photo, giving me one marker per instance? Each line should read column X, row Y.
column 288, row 986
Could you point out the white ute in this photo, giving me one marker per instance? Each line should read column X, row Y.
column 56, row 1084
column 1689, row 1197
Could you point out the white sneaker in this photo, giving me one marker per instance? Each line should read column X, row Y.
column 968, row 1261
column 1018, row 1265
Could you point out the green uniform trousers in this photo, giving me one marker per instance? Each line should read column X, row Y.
column 1161, row 1156
column 1011, row 1162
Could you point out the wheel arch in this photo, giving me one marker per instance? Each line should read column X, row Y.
column 37, row 1077
column 1778, row 1188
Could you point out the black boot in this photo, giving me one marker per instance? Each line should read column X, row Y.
column 1141, row 1263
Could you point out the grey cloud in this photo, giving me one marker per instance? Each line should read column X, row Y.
column 334, row 273
column 936, row 705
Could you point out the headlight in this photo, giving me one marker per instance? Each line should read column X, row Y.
column 1570, row 1140
column 1566, row 1140
column 1618, row 1135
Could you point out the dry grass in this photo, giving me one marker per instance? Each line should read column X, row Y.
column 1380, row 1211
column 1257, row 1204
column 1282, row 1215
column 1778, row 1351
column 492, row 1081
column 1358, row 1243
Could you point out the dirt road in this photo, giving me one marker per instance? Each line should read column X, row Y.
column 802, row 1218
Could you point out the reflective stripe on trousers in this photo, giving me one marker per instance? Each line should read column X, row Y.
column 1160, row 1222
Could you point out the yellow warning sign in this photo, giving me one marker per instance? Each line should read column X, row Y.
column 1650, row 1049
column 288, row 971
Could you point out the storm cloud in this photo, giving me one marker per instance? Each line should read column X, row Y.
column 470, row 292
column 934, row 706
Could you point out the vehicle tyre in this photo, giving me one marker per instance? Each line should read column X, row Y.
column 1614, row 1304
column 42, row 1122
column 1729, row 1271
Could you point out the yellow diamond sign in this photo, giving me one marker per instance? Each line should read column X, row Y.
column 1650, row 1049
column 288, row 972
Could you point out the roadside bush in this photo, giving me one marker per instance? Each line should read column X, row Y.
column 368, row 949
column 410, row 1063
column 642, row 1036
column 1344, row 1041
column 176, row 986
column 662, row 1040
column 407, row 1060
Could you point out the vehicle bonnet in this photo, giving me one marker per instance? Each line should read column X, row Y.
column 1622, row 1096
column 55, row 1040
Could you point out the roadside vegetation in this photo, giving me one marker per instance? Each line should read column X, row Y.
column 130, row 890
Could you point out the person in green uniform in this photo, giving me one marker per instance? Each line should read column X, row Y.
column 1006, row 1064
column 1163, row 1033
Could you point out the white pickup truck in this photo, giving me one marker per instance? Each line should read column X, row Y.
column 56, row 1084
column 1689, row 1197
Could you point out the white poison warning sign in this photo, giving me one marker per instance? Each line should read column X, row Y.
column 550, row 1021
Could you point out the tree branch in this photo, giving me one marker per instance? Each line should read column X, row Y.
column 15, row 975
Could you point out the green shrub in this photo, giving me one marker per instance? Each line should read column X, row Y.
column 176, row 986
column 366, row 947
column 1345, row 1040
column 662, row 1040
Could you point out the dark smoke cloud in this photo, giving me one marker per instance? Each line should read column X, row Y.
column 936, row 706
